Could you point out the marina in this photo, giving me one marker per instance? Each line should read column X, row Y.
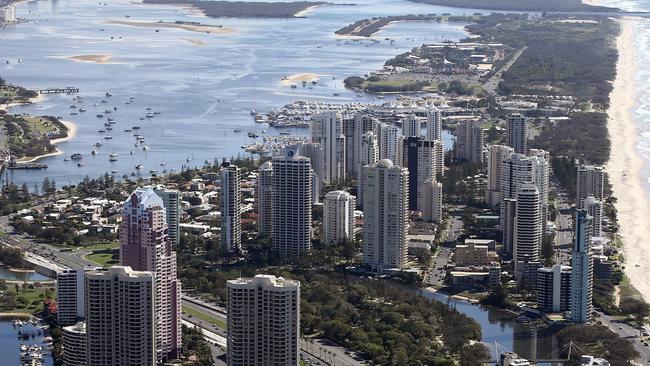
column 198, row 103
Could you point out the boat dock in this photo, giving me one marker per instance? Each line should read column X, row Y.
column 66, row 90
column 14, row 165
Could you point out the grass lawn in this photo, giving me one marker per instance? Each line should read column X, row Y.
column 37, row 294
column 205, row 317
column 104, row 259
column 394, row 83
column 101, row 246
column 40, row 124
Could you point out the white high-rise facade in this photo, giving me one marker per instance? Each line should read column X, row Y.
column 469, row 141
column 434, row 125
column 263, row 321
column 591, row 182
column 330, row 134
column 386, row 216
column 541, row 173
column 389, row 143
column 582, row 271
column 231, row 207
column 264, row 199
column 338, row 216
column 517, row 133
column 363, row 123
column 496, row 155
column 594, row 208
column 172, row 202
column 74, row 344
column 292, row 203
column 120, row 318
column 432, row 197
column 369, row 155
column 528, row 226
column 411, row 126
column 515, row 170
column 70, row 296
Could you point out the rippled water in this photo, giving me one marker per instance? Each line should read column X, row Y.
column 203, row 92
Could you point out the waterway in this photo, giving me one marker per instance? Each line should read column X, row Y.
column 10, row 344
column 203, row 85
column 499, row 327
column 9, row 275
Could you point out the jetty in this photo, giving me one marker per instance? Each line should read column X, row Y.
column 66, row 90
column 15, row 165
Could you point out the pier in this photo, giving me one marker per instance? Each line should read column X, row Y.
column 12, row 164
column 66, row 90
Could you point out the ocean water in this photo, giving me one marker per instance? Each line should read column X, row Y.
column 203, row 92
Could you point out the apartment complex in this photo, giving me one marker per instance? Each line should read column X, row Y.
column 517, row 133
column 120, row 318
column 469, row 141
column 591, row 182
column 338, row 216
column 172, row 202
column 74, row 344
column 230, row 206
column 69, row 293
column 145, row 246
column 582, row 269
column 263, row 321
column 264, row 199
column 292, row 203
column 386, row 217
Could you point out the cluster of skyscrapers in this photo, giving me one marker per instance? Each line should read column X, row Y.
column 518, row 183
column 396, row 173
column 129, row 314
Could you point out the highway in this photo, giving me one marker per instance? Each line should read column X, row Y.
column 315, row 351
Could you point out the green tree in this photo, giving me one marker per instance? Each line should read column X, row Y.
column 474, row 355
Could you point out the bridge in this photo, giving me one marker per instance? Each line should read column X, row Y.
column 500, row 350
column 66, row 90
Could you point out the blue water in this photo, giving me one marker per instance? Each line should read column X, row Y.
column 10, row 344
column 9, row 275
column 501, row 332
column 202, row 92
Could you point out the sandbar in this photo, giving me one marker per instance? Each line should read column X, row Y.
column 202, row 28
column 299, row 78
column 99, row 59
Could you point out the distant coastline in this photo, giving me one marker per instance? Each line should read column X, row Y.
column 521, row 5
column 244, row 9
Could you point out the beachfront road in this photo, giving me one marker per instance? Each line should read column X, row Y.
column 629, row 333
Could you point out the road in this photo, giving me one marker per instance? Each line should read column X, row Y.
column 436, row 275
column 317, row 351
column 629, row 333
column 491, row 85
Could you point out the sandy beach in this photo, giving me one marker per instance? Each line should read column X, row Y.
column 5, row 107
column 306, row 11
column 625, row 165
column 99, row 59
column 202, row 28
column 299, row 78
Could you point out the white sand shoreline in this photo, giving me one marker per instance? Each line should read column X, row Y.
column 626, row 164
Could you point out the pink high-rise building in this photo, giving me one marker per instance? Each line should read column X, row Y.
column 145, row 246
